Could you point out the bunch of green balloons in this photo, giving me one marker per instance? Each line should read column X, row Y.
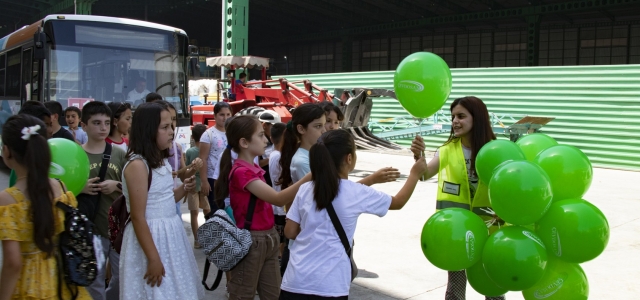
column 536, row 186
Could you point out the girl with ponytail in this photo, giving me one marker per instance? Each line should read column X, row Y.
column 319, row 264
column 259, row 268
column 30, row 223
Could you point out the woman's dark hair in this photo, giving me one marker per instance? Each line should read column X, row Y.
column 144, row 133
column 117, row 108
column 34, row 155
column 241, row 127
column 329, row 107
column 481, row 132
column 152, row 97
column 302, row 115
column 219, row 106
column 325, row 160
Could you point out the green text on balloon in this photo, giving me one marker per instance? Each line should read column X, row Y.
column 453, row 238
column 574, row 230
column 69, row 163
column 514, row 258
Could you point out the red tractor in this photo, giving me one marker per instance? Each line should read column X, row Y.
column 283, row 97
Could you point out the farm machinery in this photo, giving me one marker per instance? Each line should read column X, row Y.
column 283, row 96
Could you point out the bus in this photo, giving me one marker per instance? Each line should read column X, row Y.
column 74, row 59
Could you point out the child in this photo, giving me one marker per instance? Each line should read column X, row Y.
column 72, row 115
column 304, row 129
column 34, row 109
column 334, row 115
column 319, row 264
column 196, row 200
column 212, row 144
column 96, row 121
column 38, row 110
column 259, row 268
column 277, row 130
column 156, row 260
column 471, row 129
column 120, row 124
column 56, row 111
column 29, row 220
column 268, row 118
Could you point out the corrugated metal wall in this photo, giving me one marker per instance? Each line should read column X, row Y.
column 597, row 108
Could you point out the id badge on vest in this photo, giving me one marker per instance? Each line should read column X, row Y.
column 451, row 188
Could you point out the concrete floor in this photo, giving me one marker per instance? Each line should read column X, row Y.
column 392, row 265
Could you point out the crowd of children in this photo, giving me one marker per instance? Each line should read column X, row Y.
column 297, row 171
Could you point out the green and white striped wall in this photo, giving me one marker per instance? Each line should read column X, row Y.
column 597, row 108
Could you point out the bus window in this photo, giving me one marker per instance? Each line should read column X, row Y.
column 26, row 74
column 3, row 65
column 13, row 73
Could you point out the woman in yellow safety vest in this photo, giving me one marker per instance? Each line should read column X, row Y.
column 458, row 184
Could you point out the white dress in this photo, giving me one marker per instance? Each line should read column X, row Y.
column 181, row 279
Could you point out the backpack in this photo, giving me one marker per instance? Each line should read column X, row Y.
column 77, row 253
column 119, row 217
column 223, row 243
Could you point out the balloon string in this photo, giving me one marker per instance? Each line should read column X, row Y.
column 494, row 218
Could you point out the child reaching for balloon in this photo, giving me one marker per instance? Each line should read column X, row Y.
column 319, row 264
column 458, row 184
column 239, row 180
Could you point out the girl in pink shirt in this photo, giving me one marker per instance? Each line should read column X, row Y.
column 259, row 270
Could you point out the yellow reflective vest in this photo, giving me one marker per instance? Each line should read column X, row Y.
column 453, row 183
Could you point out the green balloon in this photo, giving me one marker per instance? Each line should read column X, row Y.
column 574, row 230
column 452, row 239
column 422, row 83
column 520, row 192
column 69, row 163
column 493, row 154
column 561, row 281
column 569, row 170
column 514, row 258
column 481, row 283
column 533, row 144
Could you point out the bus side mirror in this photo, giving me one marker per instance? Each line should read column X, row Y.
column 39, row 41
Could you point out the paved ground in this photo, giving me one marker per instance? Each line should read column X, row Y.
column 392, row 265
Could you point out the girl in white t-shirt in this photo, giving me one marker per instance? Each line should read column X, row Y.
column 319, row 264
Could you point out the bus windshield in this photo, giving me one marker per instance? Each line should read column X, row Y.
column 114, row 63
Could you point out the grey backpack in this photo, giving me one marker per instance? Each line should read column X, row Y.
column 224, row 244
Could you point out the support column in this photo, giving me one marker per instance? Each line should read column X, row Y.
column 235, row 35
column 533, row 40
column 347, row 53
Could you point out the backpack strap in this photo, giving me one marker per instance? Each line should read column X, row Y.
column 106, row 157
column 336, row 223
column 248, row 219
column 216, row 282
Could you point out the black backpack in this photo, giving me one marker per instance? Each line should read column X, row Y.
column 77, row 254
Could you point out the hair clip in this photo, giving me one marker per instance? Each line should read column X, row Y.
column 27, row 132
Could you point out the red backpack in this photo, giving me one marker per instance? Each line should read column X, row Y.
column 119, row 218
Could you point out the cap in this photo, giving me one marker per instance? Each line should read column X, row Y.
column 269, row 116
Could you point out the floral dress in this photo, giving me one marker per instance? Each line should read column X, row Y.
column 39, row 274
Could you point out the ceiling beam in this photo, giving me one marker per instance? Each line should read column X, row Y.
column 401, row 9
column 368, row 13
column 424, row 7
column 608, row 15
column 510, row 13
